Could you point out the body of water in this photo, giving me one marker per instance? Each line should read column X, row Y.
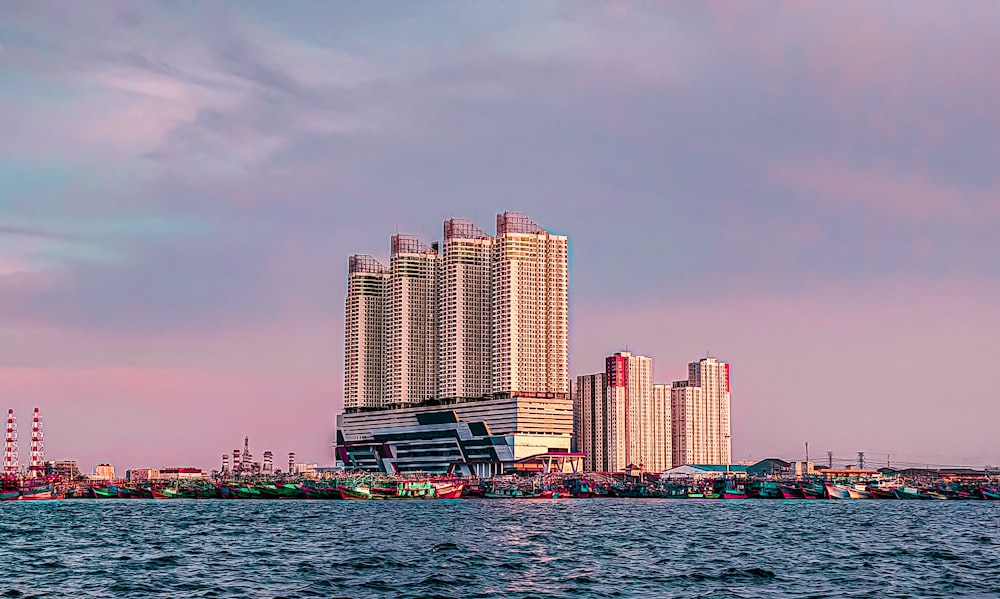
column 499, row 548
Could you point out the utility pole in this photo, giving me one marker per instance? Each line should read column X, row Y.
column 807, row 451
column 861, row 460
column 888, row 464
column 829, row 458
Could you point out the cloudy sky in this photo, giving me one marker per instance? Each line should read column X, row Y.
column 809, row 191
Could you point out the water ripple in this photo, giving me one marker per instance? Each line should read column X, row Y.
column 495, row 549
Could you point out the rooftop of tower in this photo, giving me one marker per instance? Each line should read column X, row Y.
column 364, row 263
column 460, row 228
column 402, row 243
column 515, row 222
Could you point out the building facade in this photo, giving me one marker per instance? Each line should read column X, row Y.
column 624, row 420
column 700, row 412
column 530, row 308
column 482, row 325
column 363, row 340
column 482, row 437
column 411, row 317
column 465, row 331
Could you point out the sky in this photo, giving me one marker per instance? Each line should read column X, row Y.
column 809, row 191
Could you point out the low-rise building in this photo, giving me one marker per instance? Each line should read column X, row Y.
column 482, row 437
column 66, row 470
column 104, row 472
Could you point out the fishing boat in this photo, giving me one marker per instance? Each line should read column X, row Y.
column 813, row 491
column 37, row 493
column 151, row 493
column 837, row 491
column 993, row 495
column 769, row 490
column 791, row 492
column 448, row 490
column 881, row 492
column 269, row 491
column 248, row 492
column 910, row 493
column 9, row 495
column 734, row 493
column 506, row 493
column 361, row 492
column 109, row 492
column 319, row 492
column 859, row 492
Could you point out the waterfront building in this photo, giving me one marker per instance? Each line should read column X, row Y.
column 465, row 312
column 700, row 413
column 363, row 340
column 530, row 308
column 593, row 415
column 482, row 326
column 411, row 317
column 706, row 471
column 136, row 475
column 104, row 472
column 483, row 437
column 66, row 470
column 624, row 419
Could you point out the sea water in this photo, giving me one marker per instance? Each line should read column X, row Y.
column 499, row 548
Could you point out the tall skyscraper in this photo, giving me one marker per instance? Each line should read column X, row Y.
column 658, row 425
column 530, row 308
column 594, row 417
column 363, row 343
column 465, row 312
column 624, row 419
column 700, row 410
column 411, row 321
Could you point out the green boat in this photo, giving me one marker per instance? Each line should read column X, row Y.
column 245, row 492
column 178, row 493
column 104, row 492
column 269, row 491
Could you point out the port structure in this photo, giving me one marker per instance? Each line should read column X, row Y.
column 11, row 464
column 36, row 466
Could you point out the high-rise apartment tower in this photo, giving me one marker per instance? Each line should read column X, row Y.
column 363, row 339
column 411, row 322
column 530, row 308
column 700, row 410
column 465, row 312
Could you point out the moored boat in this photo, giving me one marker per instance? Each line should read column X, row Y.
column 734, row 493
column 110, row 492
column 791, row 492
column 37, row 493
column 910, row 493
column 990, row 494
column 448, row 490
column 837, row 491
column 355, row 493
column 857, row 493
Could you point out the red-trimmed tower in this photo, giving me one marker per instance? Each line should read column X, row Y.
column 36, row 467
column 11, row 465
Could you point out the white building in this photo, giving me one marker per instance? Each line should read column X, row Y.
column 465, row 312
column 530, row 308
column 624, row 419
column 700, row 411
column 411, row 317
column 595, row 432
column 363, row 339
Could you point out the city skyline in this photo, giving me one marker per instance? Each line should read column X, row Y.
column 811, row 198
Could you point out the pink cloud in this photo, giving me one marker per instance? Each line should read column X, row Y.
column 910, row 195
